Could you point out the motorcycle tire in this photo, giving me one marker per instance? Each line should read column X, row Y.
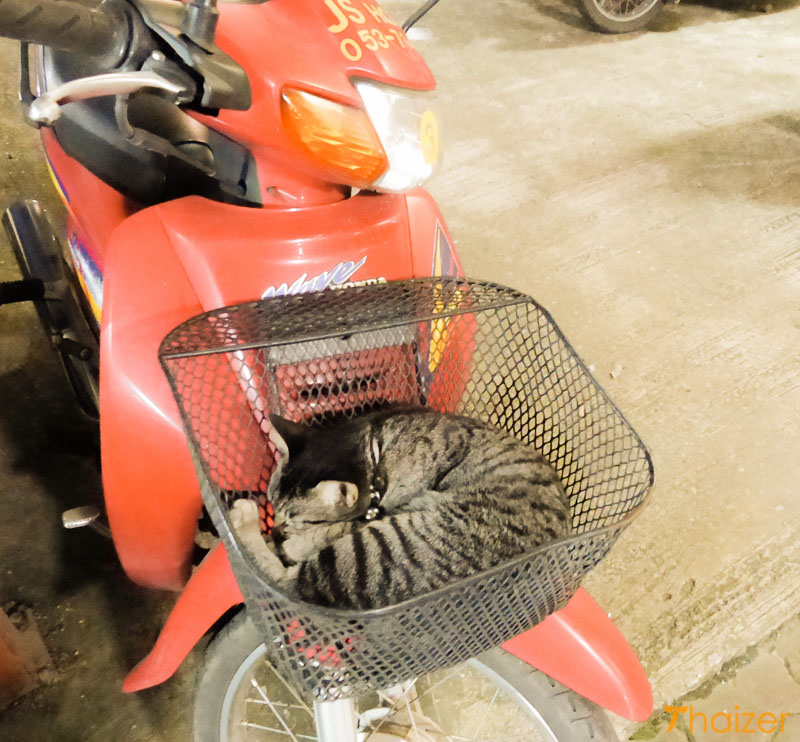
column 227, row 693
column 620, row 16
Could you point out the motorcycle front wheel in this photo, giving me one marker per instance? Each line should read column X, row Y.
column 241, row 698
column 620, row 16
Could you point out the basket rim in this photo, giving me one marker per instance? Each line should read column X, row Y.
column 514, row 297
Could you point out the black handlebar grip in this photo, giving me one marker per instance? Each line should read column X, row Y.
column 69, row 25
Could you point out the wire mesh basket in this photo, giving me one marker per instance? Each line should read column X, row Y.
column 455, row 345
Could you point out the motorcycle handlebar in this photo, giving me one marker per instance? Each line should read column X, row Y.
column 68, row 25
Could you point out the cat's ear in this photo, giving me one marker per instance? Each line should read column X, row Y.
column 287, row 437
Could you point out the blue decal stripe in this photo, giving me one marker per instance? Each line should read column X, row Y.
column 56, row 180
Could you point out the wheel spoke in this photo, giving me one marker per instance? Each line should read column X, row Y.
column 393, row 703
column 277, row 704
column 411, row 716
column 435, row 702
column 302, row 704
column 436, row 684
column 623, row 9
column 274, row 710
column 262, row 728
column 486, row 716
column 458, row 704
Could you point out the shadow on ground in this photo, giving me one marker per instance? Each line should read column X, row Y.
column 757, row 159
column 96, row 624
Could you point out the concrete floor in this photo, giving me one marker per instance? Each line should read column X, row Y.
column 644, row 189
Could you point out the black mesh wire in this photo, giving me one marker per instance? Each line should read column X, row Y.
column 455, row 345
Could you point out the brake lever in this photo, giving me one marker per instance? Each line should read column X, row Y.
column 46, row 109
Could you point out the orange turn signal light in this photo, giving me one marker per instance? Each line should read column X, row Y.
column 338, row 138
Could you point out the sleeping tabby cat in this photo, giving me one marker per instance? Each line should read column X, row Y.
column 456, row 497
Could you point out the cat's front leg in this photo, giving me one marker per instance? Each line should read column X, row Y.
column 246, row 523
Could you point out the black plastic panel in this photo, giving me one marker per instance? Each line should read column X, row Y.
column 146, row 147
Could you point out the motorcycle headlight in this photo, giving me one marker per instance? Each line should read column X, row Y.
column 408, row 129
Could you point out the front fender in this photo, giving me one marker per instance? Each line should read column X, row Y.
column 580, row 647
column 211, row 591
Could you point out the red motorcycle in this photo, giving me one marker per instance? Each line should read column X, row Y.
column 222, row 170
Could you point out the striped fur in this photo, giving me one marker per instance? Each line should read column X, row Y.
column 460, row 497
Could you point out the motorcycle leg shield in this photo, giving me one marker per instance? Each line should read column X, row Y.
column 211, row 591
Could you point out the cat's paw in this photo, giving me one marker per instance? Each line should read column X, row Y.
column 246, row 522
column 244, row 515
